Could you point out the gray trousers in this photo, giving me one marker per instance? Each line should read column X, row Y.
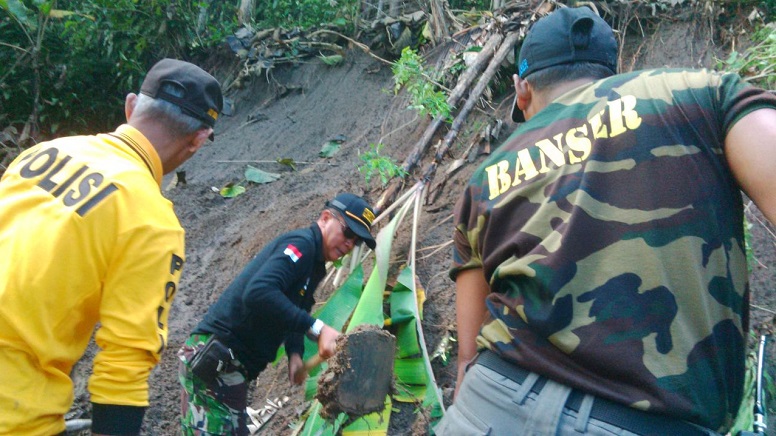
column 490, row 404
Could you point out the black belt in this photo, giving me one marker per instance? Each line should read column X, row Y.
column 627, row 418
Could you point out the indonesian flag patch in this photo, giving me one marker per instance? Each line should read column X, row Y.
column 292, row 252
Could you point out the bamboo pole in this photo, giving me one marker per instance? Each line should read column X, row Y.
column 474, row 97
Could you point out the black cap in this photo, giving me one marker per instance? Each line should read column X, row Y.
column 358, row 215
column 565, row 36
column 196, row 92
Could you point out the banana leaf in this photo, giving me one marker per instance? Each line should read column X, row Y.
column 374, row 424
column 404, row 316
column 414, row 374
column 314, row 425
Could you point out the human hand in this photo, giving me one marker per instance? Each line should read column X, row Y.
column 297, row 373
column 327, row 342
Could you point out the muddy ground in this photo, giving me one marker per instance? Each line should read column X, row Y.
column 290, row 113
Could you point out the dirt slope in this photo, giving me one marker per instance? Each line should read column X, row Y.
column 297, row 108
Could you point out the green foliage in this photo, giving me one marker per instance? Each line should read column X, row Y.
column 408, row 72
column 758, row 63
column 407, row 68
column 304, row 14
column 329, row 149
column 232, row 190
column 444, row 349
column 480, row 5
column 769, row 7
column 255, row 175
column 252, row 174
column 332, row 60
column 383, row 166
column 286, row 161
column 72, row 70
column 429, row 101
column 458, row 67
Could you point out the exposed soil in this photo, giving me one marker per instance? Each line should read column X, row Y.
column 295, row 109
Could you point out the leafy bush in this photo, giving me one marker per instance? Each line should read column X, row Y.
column 305, row 13
column 375, row 163
column 70, row 63
column 410, row 73
column 758, row 63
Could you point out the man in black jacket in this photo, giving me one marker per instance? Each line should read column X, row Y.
column 267, row 305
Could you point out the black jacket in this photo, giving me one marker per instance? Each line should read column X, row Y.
column 269, row 302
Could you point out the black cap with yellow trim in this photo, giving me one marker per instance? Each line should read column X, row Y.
column 195, row 91
column 358, row 215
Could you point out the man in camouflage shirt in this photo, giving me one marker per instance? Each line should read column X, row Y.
column 599, row 253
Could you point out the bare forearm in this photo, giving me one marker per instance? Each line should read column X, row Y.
column 471, row 290
column 750, row 148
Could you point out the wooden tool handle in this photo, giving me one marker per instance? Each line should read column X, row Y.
column 313, row 362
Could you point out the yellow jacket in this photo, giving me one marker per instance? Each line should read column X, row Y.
column 86, row 237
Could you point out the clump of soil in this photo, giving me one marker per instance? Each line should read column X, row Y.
column 360, row 374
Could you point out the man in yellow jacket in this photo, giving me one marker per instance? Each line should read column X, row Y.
column 86, row 237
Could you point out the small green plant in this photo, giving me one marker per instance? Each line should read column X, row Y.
column 252, row 174
column 408, row 72
column 384, row 166
column 758, row 63
column 332, row 60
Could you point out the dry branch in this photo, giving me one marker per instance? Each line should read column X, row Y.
column 245, row 12
column 437, row 22
column 363, row 47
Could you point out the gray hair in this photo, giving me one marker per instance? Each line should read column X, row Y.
column 178, row 122
column 549, row 77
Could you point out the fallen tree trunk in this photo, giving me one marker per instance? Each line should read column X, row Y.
column 456, row 94
column 474, row 97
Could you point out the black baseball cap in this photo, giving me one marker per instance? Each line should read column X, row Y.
column 358, row 215
column 565, row 36
column 195, row 91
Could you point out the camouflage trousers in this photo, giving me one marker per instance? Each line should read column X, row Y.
column 211, row 409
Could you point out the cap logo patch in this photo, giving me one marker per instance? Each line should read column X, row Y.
column 293, row 253
column 369, row 216
column 213, row 113
column 358, row 218
column 357, row 213
column 522, row 67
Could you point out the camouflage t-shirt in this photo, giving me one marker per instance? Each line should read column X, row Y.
column 610, row 229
